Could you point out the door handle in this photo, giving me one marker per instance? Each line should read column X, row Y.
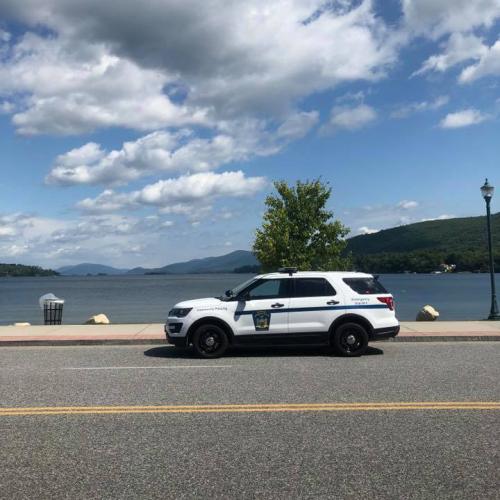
column 333, row 302
column 277, row 305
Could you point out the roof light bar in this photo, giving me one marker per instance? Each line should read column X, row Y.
column 288, row 270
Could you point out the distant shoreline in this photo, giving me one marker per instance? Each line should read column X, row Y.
column 102, row 275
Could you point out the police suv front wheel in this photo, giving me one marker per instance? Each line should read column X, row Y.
column 210, row 341
column 350, row 339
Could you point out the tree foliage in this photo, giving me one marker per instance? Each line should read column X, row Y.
column 21, row 270
column 298, row 230
column 424, row 261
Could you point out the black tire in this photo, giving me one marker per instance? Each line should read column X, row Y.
column 350, row 340
column 210, row 341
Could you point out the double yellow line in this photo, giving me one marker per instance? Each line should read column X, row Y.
column 252, row 408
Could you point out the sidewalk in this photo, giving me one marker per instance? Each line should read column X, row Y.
column 411, row 331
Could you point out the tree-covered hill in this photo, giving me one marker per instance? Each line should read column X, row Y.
column 466, row 233
column 21, row 270
column 424, row 246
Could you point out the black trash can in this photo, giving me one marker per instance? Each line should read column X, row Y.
column 52, row 311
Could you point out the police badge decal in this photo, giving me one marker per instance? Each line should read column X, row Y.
column 261, row 320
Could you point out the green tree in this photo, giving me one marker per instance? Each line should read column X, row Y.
column 298, row 230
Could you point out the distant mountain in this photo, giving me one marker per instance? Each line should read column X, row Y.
column 138, row 270
column 237, row 261
column 86, row 269
column 223, row 264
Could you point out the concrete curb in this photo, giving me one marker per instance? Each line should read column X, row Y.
column 445, row 338
column 81, row 342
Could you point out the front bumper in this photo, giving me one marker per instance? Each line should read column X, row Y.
column 171, row 329
column 384, row 333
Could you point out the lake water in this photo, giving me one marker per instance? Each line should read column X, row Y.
column 147, row 299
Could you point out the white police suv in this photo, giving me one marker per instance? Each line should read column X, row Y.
column 343, row 310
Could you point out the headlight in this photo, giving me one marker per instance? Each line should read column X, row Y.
column 180, row 313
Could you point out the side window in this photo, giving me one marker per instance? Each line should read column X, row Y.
column 313, row 287
column 268, row 289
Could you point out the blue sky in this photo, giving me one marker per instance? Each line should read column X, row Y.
column 147, row 137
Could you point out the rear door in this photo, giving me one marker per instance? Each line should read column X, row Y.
column 314, row 306
column 263, row 308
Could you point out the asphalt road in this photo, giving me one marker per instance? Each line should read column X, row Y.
column 356, row 453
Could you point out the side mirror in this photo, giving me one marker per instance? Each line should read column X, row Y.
column 228, row 293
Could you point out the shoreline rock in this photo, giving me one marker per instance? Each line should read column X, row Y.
column 98, row 319
column 427, row 313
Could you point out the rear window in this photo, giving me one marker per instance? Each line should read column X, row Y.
column 312, row 287
column 365, row 286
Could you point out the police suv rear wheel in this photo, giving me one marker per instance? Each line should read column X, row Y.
column 210, row 341
column 350, row 340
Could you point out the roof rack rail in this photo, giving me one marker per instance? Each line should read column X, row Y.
column 288, row 270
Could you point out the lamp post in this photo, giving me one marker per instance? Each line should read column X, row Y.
column 487, row 192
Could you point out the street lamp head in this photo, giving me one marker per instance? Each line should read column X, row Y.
column 487, row 190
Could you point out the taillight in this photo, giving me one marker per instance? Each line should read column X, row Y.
column 388, row 301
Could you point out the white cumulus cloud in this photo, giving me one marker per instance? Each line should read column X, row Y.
column 463, row 118
column 70, row 89
column 181, row 151
column 349, row 118
column 29, row 238
column 488, row 64
column 181, row 195
column 439, row 217
column 465, row 23
column 438, row 17
column 367, row 230
column 419, row 107
column 194, row 62
column 372, row 218
column 407, row 204
column 458, row 49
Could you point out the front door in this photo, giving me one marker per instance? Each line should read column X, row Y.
column 314, row 306
column 263, row 308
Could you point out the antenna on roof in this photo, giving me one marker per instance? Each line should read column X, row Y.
column 288, row 270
